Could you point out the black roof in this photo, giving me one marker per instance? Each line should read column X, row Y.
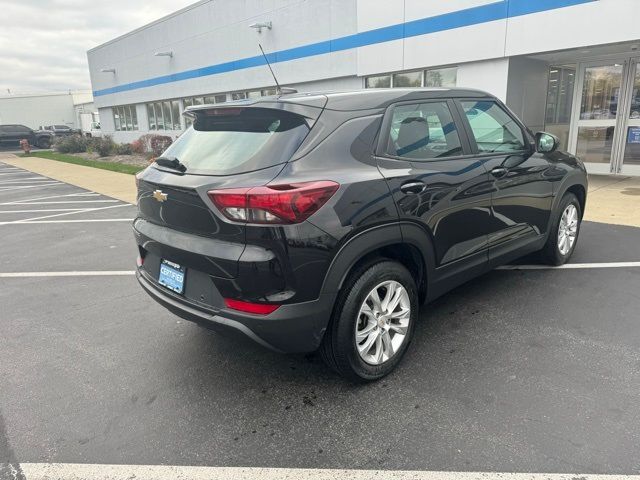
column 364, row 99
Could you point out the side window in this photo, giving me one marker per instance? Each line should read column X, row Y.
column 423, row 131
column 494, row 130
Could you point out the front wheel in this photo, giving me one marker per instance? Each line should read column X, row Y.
column 373, row 322
column 44, row 142
column 563, row 237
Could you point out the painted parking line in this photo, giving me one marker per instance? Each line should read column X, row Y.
column 85, row 273
column 13, row 189
column 77, row 471
column 48, row 197
column 83, row 210
column 92, row 220
column 569, row 266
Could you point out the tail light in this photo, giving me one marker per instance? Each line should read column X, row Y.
column 249, row 307
column 273, row 204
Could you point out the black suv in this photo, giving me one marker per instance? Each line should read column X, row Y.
column 12, row 134
column 323, row 221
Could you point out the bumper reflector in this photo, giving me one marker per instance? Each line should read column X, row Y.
column 248, row 307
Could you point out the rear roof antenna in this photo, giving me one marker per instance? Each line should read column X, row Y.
column 280, row 90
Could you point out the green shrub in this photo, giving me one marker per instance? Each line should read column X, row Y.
column 123, row 149
column 71, row 144
column 103, row 146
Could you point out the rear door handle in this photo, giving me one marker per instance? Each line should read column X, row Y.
column 412, row 187
column 499, row 172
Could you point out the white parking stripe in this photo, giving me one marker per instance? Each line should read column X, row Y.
column 24, row 200
column 86, row 273
column 70, row 221
column 78, row 471
column 12, row 189
column 56, row 203
column 44, row 210
column 568, row 266
column 83, row 210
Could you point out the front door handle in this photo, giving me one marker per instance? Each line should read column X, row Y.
column 499, row 172
column 412, row 187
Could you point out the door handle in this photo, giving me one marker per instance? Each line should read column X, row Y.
column 412, row 187
column 499, row 172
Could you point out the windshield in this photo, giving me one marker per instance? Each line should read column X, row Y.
column 236, row 140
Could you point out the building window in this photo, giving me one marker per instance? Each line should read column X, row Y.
column 164, row 115
column 441, row 77
column 380, row 81
column 559, row 102
column 269, row 92
column 125, row 118
column 407, row 79
column 238, row 96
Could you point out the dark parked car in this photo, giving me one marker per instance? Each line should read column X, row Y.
column 62, row 130
column 12, row 134
column 324, row 221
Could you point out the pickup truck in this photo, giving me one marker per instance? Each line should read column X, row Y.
column 10, row 135
column 62, row 130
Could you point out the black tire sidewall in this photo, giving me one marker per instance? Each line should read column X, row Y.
column 43, row 143
column 348, row 359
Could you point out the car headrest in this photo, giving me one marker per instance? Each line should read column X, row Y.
column 412, row 135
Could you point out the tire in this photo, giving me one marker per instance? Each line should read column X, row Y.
column 552, row 253
column 43, row 142
column 341, row 350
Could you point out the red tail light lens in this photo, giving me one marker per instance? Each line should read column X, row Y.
column 257, row 308
column 274, row 204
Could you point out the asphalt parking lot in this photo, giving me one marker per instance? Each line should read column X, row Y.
column 516, row 371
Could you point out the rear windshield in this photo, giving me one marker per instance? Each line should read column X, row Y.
column 226, row 141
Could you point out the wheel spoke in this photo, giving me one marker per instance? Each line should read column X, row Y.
column 391, row 288
column 379, row 352
column 375, row 298
column 365, row 332
column 371, row 339
column 387, row 344
column 398, row 328
column 393, row 304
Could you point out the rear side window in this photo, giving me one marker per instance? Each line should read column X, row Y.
column 493, row 129
column 226, row 141
column 423, row 131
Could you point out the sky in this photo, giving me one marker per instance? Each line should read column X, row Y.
column 43, row 44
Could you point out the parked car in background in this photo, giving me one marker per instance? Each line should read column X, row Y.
column 10, row 135
column 62, row 130
column 324, row 221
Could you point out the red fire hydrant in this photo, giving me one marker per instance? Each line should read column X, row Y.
column 24, row 144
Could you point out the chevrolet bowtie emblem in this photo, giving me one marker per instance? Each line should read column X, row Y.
column 159, row 195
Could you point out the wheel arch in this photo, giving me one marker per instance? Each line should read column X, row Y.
column 406, row 243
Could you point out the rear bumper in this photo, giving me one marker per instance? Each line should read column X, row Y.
column 294, row 328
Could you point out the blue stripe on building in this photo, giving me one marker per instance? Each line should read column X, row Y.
column 461, row 18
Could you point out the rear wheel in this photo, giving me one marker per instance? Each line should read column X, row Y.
column 563, row 237
column 44, row 142
column 373, row 322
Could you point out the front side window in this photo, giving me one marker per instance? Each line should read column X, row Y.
column 423, row 131
column 493, row 129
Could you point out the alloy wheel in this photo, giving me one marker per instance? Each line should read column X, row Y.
column 383, row 322
column 568, row 229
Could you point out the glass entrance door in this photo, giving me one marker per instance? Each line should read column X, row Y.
column 593, row 136
column 630, row 144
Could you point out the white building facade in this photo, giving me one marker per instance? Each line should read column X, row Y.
column 570, row 67
column 42, row 109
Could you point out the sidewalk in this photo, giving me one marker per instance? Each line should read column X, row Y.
column 113, row 184
column 611, row 199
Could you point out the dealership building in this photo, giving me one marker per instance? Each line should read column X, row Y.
column 569, row 67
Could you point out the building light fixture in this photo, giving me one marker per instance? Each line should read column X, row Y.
column 260, row 25
column 108, row 70
column 164, row 54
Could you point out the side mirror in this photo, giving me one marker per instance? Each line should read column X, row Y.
column 546, row 143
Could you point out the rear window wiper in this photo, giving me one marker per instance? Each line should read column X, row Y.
column 171, row 162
